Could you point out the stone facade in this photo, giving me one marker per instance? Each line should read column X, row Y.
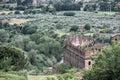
column 78, row 49
column 115, row 37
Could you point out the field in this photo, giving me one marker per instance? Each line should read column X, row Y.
column 11, row 76
column 40, row 77
column 18, row 21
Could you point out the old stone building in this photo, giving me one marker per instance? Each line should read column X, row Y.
column 78, row 49
column 115, row 37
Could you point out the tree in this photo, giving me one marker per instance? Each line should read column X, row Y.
column 29, row 29
column 107, row 64
column 19, row 2
column 63, row 68
column 4, row 36
column 87, row 27
column 11, row 58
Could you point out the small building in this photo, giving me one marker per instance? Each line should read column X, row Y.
column 78, row 50
column 115, row 37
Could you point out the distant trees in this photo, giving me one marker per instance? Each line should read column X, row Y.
column 68, row 5
column 90, row 7
column 106, row 5
column 106, row 66
column 24, row 3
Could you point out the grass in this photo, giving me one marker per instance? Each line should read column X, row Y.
column 11, row 76
column 106, row 13
column 40, row 77
column 61, row 33
column 18, row 21
column 5, row 12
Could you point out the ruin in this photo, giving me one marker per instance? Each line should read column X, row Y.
column 78, row 49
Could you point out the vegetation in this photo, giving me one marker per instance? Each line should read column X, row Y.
column 12, row 76
column 63, row 68
column 11, row 58
column 106, row 64
column 69, row 13
column 74, row 28
column 37, row 42
column 87, row 26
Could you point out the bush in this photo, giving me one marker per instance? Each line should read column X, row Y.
column 20, row 7
column 29, row 29
column 63, row 68
column 87, row 27
column 11, row 8
column 69, row 14
column 74, row 28
column 59, row 26
column 17, row 12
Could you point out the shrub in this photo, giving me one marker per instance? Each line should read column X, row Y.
column 87, row 27
column 29, row 29
column 63, row 68
column 69, row 14
column 74, row 28
column 11, row 8
column 17, row 12
column 20, row 7
column 59, row 26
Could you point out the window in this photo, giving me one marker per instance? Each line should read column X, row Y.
column 89, row 63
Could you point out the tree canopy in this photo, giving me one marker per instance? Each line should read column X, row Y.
column 107, row 64
column 11, row 58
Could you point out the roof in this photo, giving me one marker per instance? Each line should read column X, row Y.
column 118, row 34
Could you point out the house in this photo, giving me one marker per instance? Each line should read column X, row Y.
column 78, row 50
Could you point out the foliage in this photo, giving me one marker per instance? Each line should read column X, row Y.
column 90, row 7
column 20, row 7
column 87, row 27
column 63, row 68
column 29, row 29
column 69, row 14
column 106, row 66
column 67, row 5
column 74, row 28
column 12, row 76
column 17, row 12
column 11, row 58
column 4, row 36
